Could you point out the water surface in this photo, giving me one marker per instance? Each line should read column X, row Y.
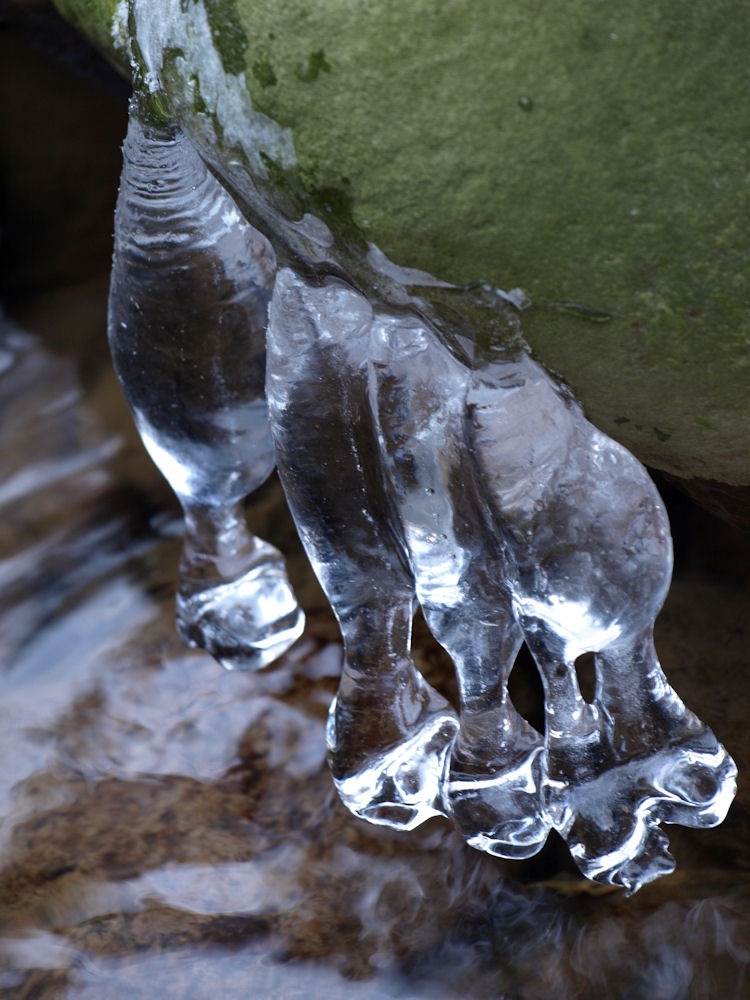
column 170, row 830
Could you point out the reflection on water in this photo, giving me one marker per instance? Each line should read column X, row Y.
column 170, row 830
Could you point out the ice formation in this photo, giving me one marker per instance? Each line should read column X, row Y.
column 191, row 282
column 422, row 468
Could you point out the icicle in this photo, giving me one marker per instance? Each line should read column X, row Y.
column 480, row 489
column 191, row 281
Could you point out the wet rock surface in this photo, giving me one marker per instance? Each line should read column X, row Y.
column 593, row 155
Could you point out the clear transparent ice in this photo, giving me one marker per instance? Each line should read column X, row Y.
column 191, row 282
column 476, row 488
column 421, row 469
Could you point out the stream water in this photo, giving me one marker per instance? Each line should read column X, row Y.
column 169, row 829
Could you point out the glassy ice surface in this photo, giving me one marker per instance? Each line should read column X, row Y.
column 388, row 731
column 470, row 483
column 191, row 281
column 423, row 467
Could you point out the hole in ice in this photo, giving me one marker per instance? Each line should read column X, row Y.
column 525, row 689
column 432, row 660
column 586, row 673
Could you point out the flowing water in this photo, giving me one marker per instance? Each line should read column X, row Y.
column 170, row 829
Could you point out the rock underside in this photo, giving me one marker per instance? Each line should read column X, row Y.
column 592, row 154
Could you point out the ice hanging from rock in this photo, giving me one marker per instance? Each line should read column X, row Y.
column 473, row 485
column 423, row 466
column 191, row 282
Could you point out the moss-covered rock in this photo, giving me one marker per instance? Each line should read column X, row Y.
column 592, row 153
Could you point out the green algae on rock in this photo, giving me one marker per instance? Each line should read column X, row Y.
column 594, row 155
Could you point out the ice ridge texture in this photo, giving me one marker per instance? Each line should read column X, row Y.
column 191, row 282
